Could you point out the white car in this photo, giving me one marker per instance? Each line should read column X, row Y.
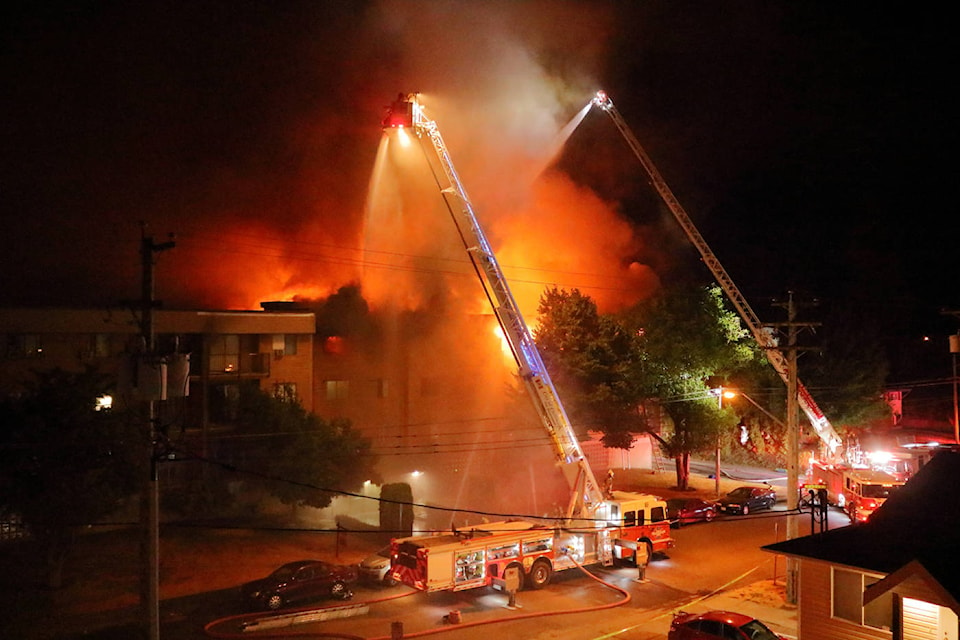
column 376, row 568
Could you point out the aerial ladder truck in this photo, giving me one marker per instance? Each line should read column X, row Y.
column 599, row 526
column 767, row 342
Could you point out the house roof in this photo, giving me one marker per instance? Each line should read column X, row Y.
column 916, row 581
column 919, row 522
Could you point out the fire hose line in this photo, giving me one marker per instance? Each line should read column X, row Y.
column 526, row 616
column 208, row 629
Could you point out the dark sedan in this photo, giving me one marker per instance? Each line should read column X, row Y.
column 743, row 500
column 299, row 581
column 681, row 511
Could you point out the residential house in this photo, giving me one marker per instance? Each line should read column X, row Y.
column 895, row 577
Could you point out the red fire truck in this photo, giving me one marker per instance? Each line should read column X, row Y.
column 858, row 491
column 600, row 525
column 478, row 556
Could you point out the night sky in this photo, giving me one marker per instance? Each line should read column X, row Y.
column 810, row 142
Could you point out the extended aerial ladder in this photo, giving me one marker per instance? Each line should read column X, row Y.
column 766, row 341
column 586, row 496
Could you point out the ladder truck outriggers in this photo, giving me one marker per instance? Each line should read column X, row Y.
column 767, row 342
column 599, row 526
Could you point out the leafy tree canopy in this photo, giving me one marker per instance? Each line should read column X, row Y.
column 592, row 359
column 62, row 463
column 299, row 451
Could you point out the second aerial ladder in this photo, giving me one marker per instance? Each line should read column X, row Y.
column 766, row 341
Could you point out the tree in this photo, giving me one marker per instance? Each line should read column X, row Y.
column 666, row 348
column 592, row 359
column 299, row 452
column 690, row 341
column 63, row 464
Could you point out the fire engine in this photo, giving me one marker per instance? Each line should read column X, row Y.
column 858, row 491
column 598, row 527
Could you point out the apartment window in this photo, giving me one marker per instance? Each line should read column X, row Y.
column 337, row 389
column 224, row 353
column 285, row 343
column 286, row 391
column 96, row 345
column 24, row 345
column 101, row 345
column 848, row 588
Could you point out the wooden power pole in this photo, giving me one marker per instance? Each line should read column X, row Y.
column 793, row 439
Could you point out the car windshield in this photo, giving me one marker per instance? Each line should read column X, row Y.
column 384, row 553
column 742, row 492
column 285, row 572
column 878, row 490
column 756, row 630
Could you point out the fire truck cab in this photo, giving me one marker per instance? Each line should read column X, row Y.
column 639, row 519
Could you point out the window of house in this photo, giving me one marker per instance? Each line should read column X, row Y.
column 848, row 587
column 337, row 389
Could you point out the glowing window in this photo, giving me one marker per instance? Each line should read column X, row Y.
column 337, row 389
column 225, row 353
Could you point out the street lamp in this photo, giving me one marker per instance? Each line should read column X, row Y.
column 954, row 350
column 721, row 393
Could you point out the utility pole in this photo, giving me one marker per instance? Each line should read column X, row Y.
column 150, row 501
column 793, row 439
column 954, row 350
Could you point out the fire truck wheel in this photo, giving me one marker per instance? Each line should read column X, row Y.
column 539, row 575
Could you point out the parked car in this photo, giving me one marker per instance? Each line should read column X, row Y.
column 299, row 581
column 743, row 500
column 683, row 511
column 718, row 625
column 375, row 568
